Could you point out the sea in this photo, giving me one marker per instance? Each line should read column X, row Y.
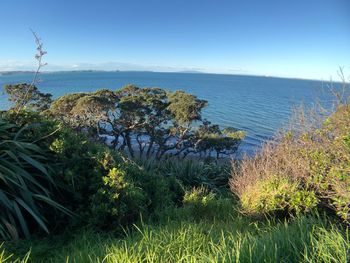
column 258, row 105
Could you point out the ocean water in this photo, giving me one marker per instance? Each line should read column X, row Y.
column 258, row 105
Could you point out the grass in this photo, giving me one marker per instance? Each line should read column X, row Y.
column 305, row 167
column 232, row 238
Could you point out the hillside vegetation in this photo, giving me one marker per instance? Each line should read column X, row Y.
column 68, row 196
column 304, row 171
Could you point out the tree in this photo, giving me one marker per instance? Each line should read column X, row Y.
column 140, row 113
column 151, row 120
column 185, row 107
column 184, row 110
column 28, row 96
column 210, row 138
column 85, row 110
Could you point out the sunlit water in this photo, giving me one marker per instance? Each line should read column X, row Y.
column 257, row 105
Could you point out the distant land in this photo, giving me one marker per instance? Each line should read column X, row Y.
column 3, row 73
column 15, row 72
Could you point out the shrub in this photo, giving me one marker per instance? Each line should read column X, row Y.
column 162, row 191
column 277, row 194
column 117, row 202
column 107, row 189
column 303, row 169
column 192, row 173
column 200, row 203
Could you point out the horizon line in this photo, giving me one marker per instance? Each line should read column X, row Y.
column 180, row 71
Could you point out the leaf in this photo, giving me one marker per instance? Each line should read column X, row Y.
column 21, row 220
column 32, row 213
column 33, row 162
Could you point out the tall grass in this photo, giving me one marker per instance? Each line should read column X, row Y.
column 306, row 167
column 307, row 239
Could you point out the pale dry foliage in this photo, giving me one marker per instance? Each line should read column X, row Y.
column 310, row 155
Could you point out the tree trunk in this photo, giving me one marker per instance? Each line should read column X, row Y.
column 128, row 143
column 149, row 148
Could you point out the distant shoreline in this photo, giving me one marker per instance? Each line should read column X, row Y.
column 18, row 72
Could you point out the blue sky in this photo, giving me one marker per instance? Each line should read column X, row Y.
column 299, row 38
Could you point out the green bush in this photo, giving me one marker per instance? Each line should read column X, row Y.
column 162, row 191
column 117, row 202
column 278, row 195
column 100, row 185
column 192, row 173
column 200, row 203
column 106, row 188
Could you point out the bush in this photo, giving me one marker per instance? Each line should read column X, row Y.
column 305, row 168
column 117, row 202
column 100, row 185
column 200, row 203
column 106, row 188
column 192, row 173
column 277, row 194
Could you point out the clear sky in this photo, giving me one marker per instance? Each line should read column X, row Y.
column 294, row 38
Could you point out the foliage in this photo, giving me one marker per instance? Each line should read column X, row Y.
column 26, row 184
column 149, row 121
column 100, row 185
column 105, row 188
column 238, row 239
column 210, row 138
column 29, row 96
column 117, row 202
column 304, row 169
column 192, row 173
column 277, row 194
column 185, row 107
column 200, row 203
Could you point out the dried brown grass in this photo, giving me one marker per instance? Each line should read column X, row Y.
column 309, row 153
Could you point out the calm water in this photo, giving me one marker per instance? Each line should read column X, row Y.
column 257, row 105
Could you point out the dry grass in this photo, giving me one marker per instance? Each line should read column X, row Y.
column 309, row 159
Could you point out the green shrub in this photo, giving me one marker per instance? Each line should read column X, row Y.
column 106, row 188
column 162, row 192
column 117, row 202
column 277, row 194
column 200, row 203
column 192, row 173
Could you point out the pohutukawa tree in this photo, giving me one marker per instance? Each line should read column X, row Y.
column 149, row 121
column 27, row 96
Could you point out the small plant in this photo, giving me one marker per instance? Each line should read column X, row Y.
column 200, row 203
column 117, row 202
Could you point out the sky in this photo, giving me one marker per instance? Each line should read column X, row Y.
column 299, row 38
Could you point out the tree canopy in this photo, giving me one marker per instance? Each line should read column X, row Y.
column 146, row 121
column 26, row 95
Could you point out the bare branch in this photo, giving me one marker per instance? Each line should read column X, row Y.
column 39, row 57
